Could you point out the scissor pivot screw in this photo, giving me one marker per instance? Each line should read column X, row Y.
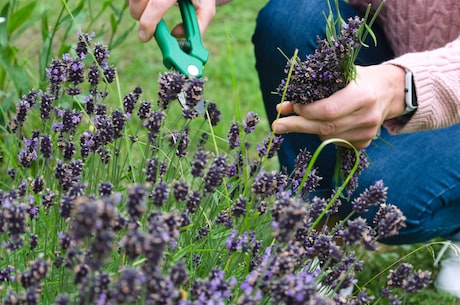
column 193, row 70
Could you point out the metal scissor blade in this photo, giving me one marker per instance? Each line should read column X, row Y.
column 199, row 107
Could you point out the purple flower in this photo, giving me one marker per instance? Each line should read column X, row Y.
column 224, row 219
column 105, row 189
column 48, row 199
column 323, row 72
column 267, row 184
column 193, row 91
column 180, row 190
column 154, row 170
column 84, row 41
column 233, row 136
column 75, row 75
column 213, row 114
column 417, row 281
column 144, row 110
column 109, row 74
column 270, row 146
column 170, row 85
column 105, row 131
column 159, row 194
column 203, row 232
column 93, row 75
column 68, row 150
column 46, row 146
column 154, row 122
column 22, row 109
column 118, row 123
column 62, row 300
column 399, row 276
column 179, row 274
column 348, row 158
column 199, row 163
column 243, row 243
column 373, row 196
column 87, row 144
column 215, row 174
column 215, row 290
column 101, row 247
column 239, row 208
column 288, row 215
column 309, row 185
column 7, row 274
column 389, row 220
column 32, row 276
column 180, row 140
column 28, row 152
column 193, row 201
column 136, row 201
column 295, row 289
column 250, row 123
column 358, row 230
column 70, row 120
column 101, row 54
column 130, row 100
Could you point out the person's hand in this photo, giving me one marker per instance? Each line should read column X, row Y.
column 150, row 12
column 354, row 113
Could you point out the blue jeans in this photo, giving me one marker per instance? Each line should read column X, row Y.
column 421, row 170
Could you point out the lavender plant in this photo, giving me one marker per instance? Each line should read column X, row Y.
column 119, row 200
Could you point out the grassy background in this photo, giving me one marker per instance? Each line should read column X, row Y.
column 232, row 80
column 230, row 71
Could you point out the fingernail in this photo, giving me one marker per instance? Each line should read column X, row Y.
column 142, row 35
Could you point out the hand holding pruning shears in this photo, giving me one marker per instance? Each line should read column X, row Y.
column 189, row 56
column 150, row 12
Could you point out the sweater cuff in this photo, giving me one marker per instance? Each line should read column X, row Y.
column 436, row 75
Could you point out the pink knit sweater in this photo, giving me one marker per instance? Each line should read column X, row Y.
column 424, row 35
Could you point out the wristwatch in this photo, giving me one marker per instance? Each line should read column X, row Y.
column 411, row 95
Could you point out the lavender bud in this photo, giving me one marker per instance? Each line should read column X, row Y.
column 250, row 123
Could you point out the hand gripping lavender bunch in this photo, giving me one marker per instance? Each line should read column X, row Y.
column 327, row 71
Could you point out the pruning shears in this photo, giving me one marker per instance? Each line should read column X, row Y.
column 186, row 56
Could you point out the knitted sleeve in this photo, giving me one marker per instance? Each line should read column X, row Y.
column 437, row 81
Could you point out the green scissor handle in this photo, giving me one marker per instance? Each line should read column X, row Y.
column 191, row 59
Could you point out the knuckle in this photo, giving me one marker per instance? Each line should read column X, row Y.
column 330, row 110
column 326, row 128
column 373, row 118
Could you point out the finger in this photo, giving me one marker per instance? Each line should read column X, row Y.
column 299, row 124
column 205, row 11
column 137, row 7
column 285, row 108
column 152, row 14
column 341, row 104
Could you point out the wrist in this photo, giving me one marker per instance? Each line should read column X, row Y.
column 396, row 85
